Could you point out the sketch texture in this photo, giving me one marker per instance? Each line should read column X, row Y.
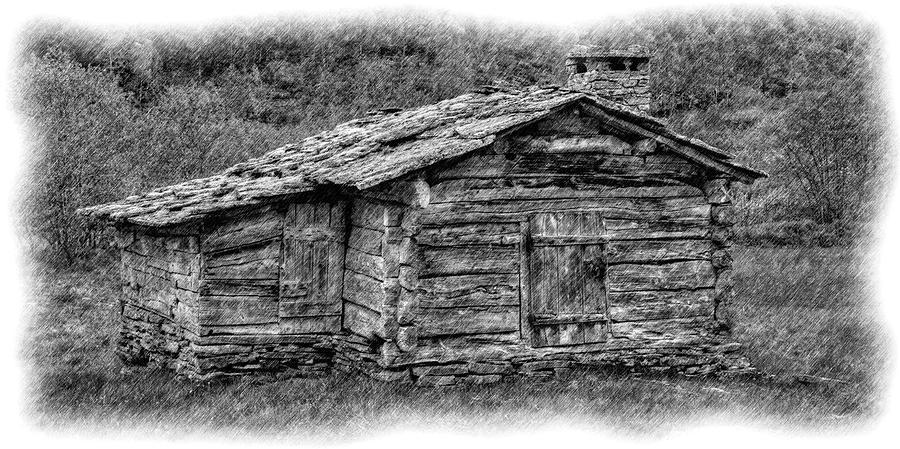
column 397, row 211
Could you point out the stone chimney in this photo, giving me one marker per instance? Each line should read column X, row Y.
column 619, row 75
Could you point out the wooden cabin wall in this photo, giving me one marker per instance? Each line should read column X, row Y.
column 240, row 277
column 660, row 277
column 160, row 287
column 364, row 269
column 270, row 289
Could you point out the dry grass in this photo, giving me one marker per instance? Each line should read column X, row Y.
column 801, row 311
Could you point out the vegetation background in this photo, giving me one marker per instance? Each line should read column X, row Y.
column 797, row 94
column 794, row 93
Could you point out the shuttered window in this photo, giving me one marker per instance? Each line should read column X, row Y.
column 567, row 273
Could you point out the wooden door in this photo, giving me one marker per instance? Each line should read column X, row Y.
column 312, row 268
column 567, row 271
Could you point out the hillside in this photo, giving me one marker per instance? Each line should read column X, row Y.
column 793, row 93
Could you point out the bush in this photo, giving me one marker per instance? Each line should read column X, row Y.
column 86, row 133
column 800, row 232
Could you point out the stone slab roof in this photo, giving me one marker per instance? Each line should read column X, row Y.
column 385, row 145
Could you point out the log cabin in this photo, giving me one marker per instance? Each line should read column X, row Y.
column 497, row 234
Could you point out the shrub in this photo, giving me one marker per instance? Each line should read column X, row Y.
column 86, row 132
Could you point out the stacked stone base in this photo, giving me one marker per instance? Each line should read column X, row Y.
column 149, row 338
column 707, row 361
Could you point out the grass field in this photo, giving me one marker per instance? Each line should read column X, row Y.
column 799, row 311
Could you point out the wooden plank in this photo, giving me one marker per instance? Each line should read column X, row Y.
column 469, row 290
column 635, row 209
column 546, row 336
column 335, row 289
column 569, row 268
column 302, row 307
column 525, row 300
column 637, row 251
column 310, row 325
column 257, row 262
column 362, row 321
column 267, row 250
column 364, row 290
column 566, row 318
column 365, row 240
column 366, row 214
column 470, row 234
column 240, row 329
column 690, row 153
column 559, row 187
column 605, row 143
column 467, row 320
column 447, row 261
column 570, row 334
column 570, row 164
column 669, row 276
column 238, row 310
column 567, row 240
column 675, row 331
column 595, row 332
column 319, row 285
column 660, row 304
column 239, row 287
column 367, row 264
column 689, row 228
column 595, row 273
column 244, row 230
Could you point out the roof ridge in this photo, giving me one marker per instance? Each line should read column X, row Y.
column 375, row 148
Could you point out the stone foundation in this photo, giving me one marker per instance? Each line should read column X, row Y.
column 150, row 338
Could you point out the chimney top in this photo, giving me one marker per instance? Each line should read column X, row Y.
column 621, row 75
column 597, row 52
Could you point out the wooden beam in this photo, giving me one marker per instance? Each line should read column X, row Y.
column 691, row 154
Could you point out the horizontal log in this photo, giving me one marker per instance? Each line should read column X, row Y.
column 447, row 261
column 260, row 262
column 238, row 310
column 624, row 209
column 467, row 320
column 669, row 276
column 363, row 263
column 655, row 251
column 470, row 290
column 186, row 316
column 365, row 240
column 567, row 240
column 675, row 331
column 244, row 230
column 239, row 287
column 566, row 318
column 364, row 290
column 470, row 234
column 605, row 143
column 660, row 305
column 267, row 250
column 302, row 307
column 310, row 325
column 239, row 329
column 570, row 164
column 366, row 214
column 562, row 187
column 363, row 321
column 690, row 228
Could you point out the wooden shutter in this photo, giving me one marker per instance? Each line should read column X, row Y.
column 567, row 271
column 312, row 268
